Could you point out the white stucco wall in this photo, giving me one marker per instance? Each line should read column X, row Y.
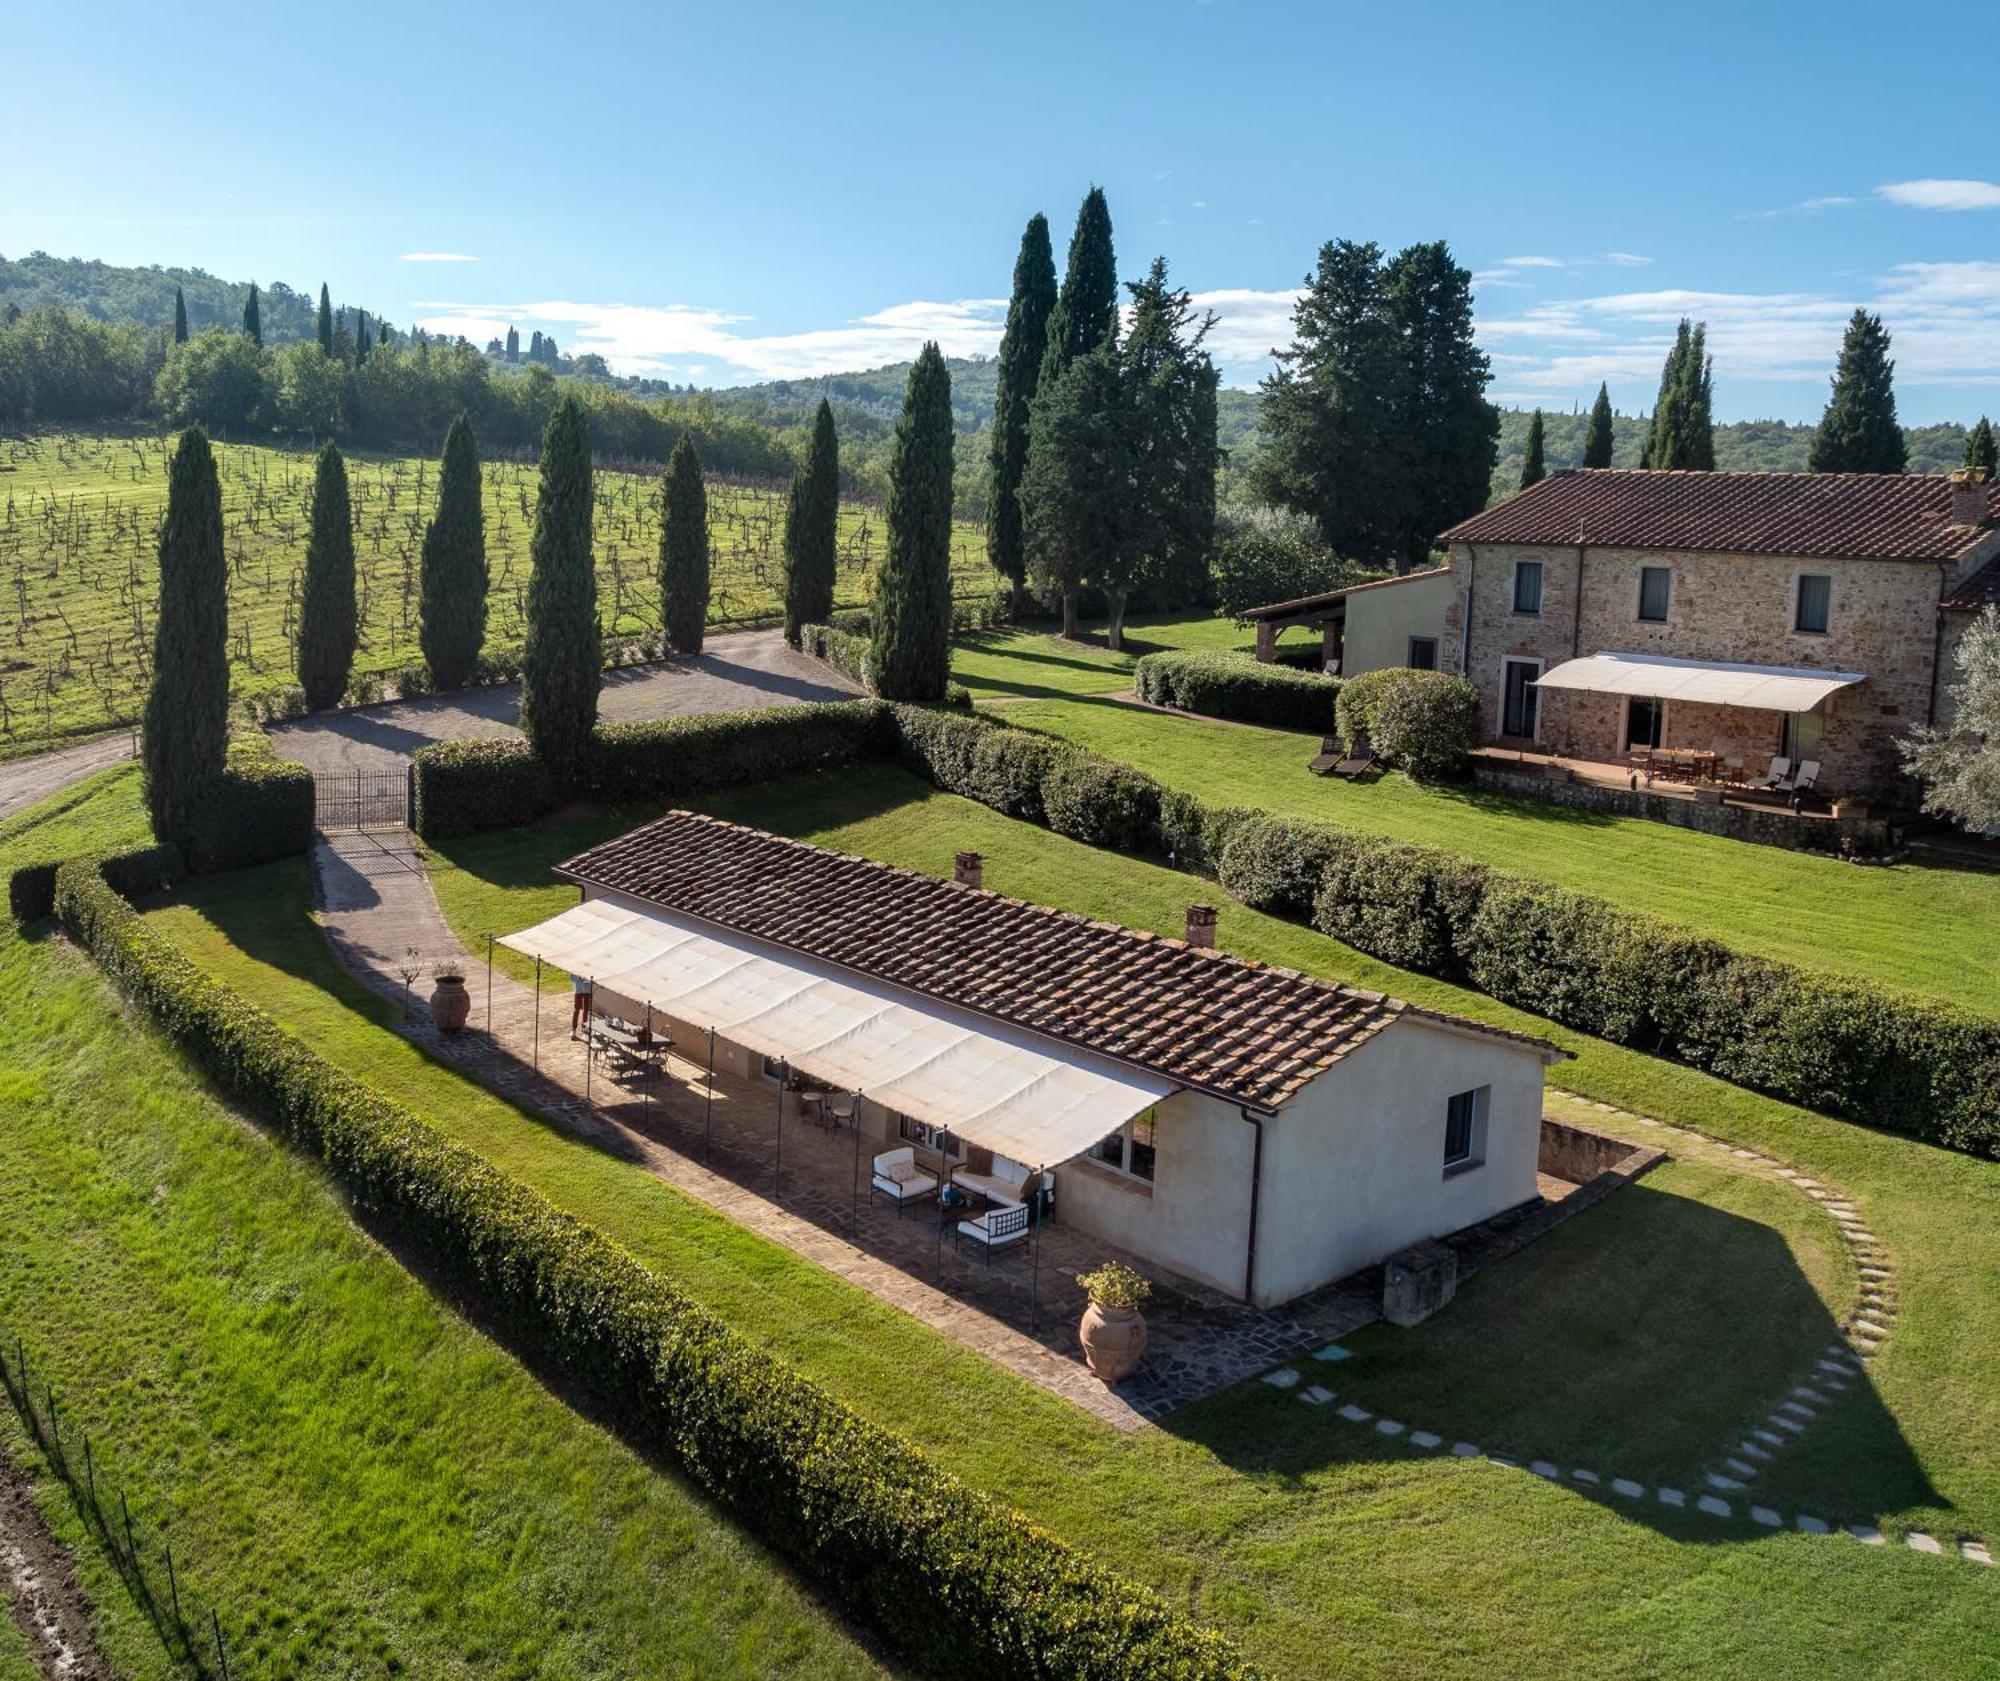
column 1381, row 621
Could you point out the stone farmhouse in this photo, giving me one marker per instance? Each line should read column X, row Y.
column 1745, row 615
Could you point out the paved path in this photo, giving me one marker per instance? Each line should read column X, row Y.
column 738, row 672
column 24, row 782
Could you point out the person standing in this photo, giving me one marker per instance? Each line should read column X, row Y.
column 579, row 1003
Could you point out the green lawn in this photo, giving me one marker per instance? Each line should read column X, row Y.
column 1320, row 1548
column 1008, row 665
column 1919, row 927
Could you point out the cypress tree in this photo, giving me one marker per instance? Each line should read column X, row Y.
column 812, row 530
column 1445, row 430
column 1085, row 313
column 1859, row 432
column 325, row 321
column 1682, row 438
column 180, row 317
column 562, row 661
column 453, row 602
column 360, row 337
column 684, row 550
column 911, row 656
column 253, row 327
column 1532, row 470
column 1598, row 445
column 1979, row 448
column 186, row 732
column 1022, row 346
column 327, row 627
column 513, row 344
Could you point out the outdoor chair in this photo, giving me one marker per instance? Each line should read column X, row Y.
column 1328, row 756
column 840, row 1108
column 1775, row 777
column 1000, row 1227
column 898, row 1177
column 1356, row 762
column 1803, row 783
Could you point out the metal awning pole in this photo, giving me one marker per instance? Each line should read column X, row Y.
column 589, row 1037
column 489, row 986
column 708, row 1110
column 943, row 1215
column 538, row 1012
column 778, row 1170
column 1035, row 1272
column 646, row 1063
column 854, row 1217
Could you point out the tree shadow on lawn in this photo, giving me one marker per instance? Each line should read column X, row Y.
column 1644, row 1340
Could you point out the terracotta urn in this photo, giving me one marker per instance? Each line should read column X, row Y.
column 1114, row 1340
column 450, row 1003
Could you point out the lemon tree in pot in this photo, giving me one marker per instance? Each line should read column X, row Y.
column 1113, row 1331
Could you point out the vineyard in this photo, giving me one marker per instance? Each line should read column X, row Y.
column 79, row 579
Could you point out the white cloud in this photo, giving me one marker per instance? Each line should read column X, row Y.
column 1626, row 259
column 1931, row 194
column 435, row 257
column 1805, row 207
column 1530, row 262
column 1199, row 204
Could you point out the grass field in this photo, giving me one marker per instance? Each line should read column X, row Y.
column 1636, row 1333
column 79, row 580
column 1919, row 927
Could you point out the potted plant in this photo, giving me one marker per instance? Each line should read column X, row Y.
column 1113, row 1331
column 450, row 1002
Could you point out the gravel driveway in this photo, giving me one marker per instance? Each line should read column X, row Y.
column 738, row 672
column 23, row 782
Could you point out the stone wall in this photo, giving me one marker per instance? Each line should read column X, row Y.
column 1579, row 1156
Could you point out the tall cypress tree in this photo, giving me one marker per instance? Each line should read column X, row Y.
column 453, row 602
column 1085, row 313
column 1979, row 448
column 513, row 344
column 327, row 626
column 325, row 321
column 1859, row 432
column 253, row 326
column 1682, row 438
column 1598, row 445
column 911, row 656
column 180, row 317
column 812, row 529
column 1023, row 344
column 562, row 662
column 1532, row 470
column 684, row 550
column 186, row 731
column 360, row 337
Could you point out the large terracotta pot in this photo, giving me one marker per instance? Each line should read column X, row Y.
column 1114, row 1340
column 450, row 1003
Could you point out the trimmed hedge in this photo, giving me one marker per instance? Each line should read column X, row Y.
column 1226, row 685
column 672, row 757
column 842, row 649
column 1427, row 722
column 31, row 890
column 953, row 1581
column 466, row 787
column 260, row 808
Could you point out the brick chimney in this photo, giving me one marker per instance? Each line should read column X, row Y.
column 968, row 869
column 1969, row 502
column 1201, row 927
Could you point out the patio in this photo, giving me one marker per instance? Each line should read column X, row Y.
column 1672, row 776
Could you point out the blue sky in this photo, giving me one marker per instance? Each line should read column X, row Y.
column 732, row 192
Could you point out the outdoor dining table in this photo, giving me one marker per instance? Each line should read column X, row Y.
column 1682, row 764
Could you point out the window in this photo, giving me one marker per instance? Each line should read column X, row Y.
column 1423, row 653
column 1642, row 722
column 1131, row 1149
column 1800, row 736
column 774, row 1069
column 928, row 1137
column 1815, row 604
column 1465, row 1130
column 1519, row 697
column 1527, row 586
column 1655, row 589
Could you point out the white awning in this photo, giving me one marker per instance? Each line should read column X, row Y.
column 1766, row 688
column 1034, row 1102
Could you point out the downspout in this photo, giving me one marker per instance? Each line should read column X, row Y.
column 1937, row 648
column 1576, row 623
column 1465, row 629
column 1256, row 1191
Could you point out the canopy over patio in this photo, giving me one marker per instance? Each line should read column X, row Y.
column 1032, row 1101
column 1765, row 688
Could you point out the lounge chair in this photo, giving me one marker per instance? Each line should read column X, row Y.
column 1802, row 784
column 1781, row 768
column 1000, row 1227
column 898, row 1177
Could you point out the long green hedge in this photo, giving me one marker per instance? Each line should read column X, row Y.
column 954, row 1582
column 259, row 809
column 1219, row 684
column 842, row 649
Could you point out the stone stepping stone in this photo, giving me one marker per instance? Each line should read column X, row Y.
column 1583, row 1476
column 1424, row 1439
column 1855, row 1234
column 1755, row 1450
column 1805, row 1184
column 1333, row 1351
column 1739, row 1468
column 1813, row 1526
column 1919, row 1542
column 1283, row 1378
column 1744, row 1155
column 1714, row 1507
column 1389, row 1427
column 1784, row 1423
column 1502, row 1460
column 1464, row 1450
column 1846, row 1368
column 1977, row 1551
column 1766, row 1436
column 1867, row 1534
column 1542, row 1468
column 1806, row 1393
column 1728, row 1484
column 1798, row 1409
column 1627, row 1487
column 1317, row 1396
column 1354, row 1414
column 1672, row 1497
column 1764, row 1515
column 1873, row 1272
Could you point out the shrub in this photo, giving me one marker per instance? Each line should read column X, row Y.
column 258, row 809
column 1224, row 685
column 1265, row 554
column 465, row 787
column 1193, row 834
column 673, row 757
column 31, row 890
column 1273, row 864
column 1407, row 905
column 950, row 1578
column 1424, row 721
column 1101, row 802
column 845, row 650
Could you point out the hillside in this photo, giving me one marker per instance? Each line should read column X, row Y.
column 107, row 292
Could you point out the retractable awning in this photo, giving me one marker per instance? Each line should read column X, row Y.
column 1029, row 1100
column 1765, row 688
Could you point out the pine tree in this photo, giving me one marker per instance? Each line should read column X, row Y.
column 253, row 328
column 1085, row 313
column 1532, row 470
column 812, row 530
column 1859, row 432
column 911, row 655
column 1023, row 344
column 1445, row 430
column 1979, row 449
column 186, row 731
column 180, row 317
column 325, row 321
column 562, row 662
column 360, row 337
column 1598, row 445
column 452, row 627
column 1682, row 438
column 327, row 625
column 1077, row 499
column 684, row 550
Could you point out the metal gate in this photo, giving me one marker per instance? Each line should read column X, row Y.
column 362, row 799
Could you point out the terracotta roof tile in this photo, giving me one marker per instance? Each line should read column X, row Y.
column 1250, row 1033
column 1861, row 516
column 1982, row 589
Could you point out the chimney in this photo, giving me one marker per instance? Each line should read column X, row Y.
column 968, row 869
column 1201, row 927
column 1969, row 504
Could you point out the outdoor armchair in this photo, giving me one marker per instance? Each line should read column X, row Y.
column 898, row 1177
column 1774, row 777
column 999, row 1227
